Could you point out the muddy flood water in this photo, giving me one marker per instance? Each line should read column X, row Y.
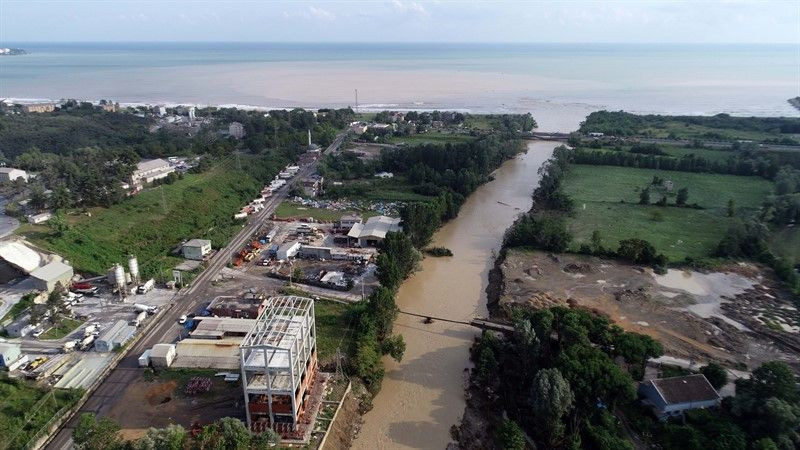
column 423, row 396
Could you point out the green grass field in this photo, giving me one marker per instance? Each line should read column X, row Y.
column 153, row 223
column 333, row 328
column 431, row 137
column 671, row 128
column 63, row 328
column 599, row 192
column 27, row 408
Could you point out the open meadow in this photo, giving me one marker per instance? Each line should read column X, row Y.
column 607, row 199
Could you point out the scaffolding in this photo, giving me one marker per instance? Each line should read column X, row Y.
column 278, row 361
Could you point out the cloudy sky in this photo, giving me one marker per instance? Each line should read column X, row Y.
column 401, row 21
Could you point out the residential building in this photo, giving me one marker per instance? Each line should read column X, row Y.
column 39, row 108
column 196, row 249
column 358, row 127
column 11, row 174
column 312, row 185
column 191, row 114
column 236, row 130
column 39, row 218
column 109, row 106
column 9, row 354
column 151, row 170
column 346, row 222
column 373, row 232
column 672, row 396
column 279, row 363
column 47, row 277
column 160, row 110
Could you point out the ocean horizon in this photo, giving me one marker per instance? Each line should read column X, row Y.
column 559, row 83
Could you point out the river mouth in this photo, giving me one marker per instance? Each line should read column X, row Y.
column 422, row 397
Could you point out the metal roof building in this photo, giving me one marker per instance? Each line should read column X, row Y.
column 208, row 353
column 221, row 327
column 47, row 277
column 373, row 232
column 116, row 336
column 278, row 360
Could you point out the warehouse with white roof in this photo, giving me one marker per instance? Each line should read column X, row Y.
column 373, row 232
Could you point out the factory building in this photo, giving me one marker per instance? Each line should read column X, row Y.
column 47, row 277
column 278, row 363
column 151, row 170
column 222, row 328
column 245, row 307
column 373, row 232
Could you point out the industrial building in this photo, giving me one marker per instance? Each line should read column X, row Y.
column 347, row 222
column 672, row 396
column 278, row 363
column 20, row 327
column 151, row 170
column 116, row 336
column 9, row 354
column 196, row 249
column 288, row 250
column 162, row 355
column 11, row 174
column 244, row 307
column 221, row 328
column 373, row 232
column 47, row 277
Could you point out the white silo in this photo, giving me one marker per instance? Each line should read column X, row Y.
column 111, row 276
column 133, row 266
column 119, row 277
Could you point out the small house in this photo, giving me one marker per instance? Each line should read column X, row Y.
column 196, row 249
column 11, row 174
column 40, row 218
column 672, row 396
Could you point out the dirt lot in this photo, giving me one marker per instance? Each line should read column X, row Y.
column 737, row 317
column 161, row 401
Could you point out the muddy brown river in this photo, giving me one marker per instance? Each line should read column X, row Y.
column 422, row 397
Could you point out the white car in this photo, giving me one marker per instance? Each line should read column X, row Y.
column 38, row 333
column 182, row 319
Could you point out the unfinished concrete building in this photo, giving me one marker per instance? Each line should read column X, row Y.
column 278, row 364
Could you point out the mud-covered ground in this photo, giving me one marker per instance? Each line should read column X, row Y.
column 737, row 317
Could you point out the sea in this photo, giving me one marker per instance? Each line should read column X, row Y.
column 558, row 83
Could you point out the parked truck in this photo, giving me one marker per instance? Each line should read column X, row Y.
column 139, row 319
column 83, row 287
column 87, row 342
column 90, row 330
column 147, row 286
column 144, row 308
column 144, row 359
column 70, row 346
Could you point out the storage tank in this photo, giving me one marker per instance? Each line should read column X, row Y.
column 128, row 278
column 133, row 266
column 111, row 276
column 119, row 276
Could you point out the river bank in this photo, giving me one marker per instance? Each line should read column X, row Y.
column 422, row 397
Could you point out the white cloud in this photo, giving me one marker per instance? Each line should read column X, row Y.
column 320, row 13
column 411, row 7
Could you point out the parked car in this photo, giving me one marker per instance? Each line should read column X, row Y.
column 182, row 319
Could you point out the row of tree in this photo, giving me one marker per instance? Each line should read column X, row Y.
column 102, row 433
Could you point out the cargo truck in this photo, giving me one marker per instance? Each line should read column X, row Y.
column 147, row 286
column 144, row 359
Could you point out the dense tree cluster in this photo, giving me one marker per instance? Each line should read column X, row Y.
column 748, row 239
column 549, row 194
column 547, row 233
column 557, row 379
column 736, row 164
column 620, row 123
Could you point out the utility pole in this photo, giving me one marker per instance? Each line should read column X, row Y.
column 356, row 101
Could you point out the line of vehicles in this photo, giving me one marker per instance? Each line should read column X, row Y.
column 87, row 288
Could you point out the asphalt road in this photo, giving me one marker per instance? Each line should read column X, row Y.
column 186, row 301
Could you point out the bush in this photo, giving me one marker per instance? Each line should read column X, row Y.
column 716, row 375
column 545, row 233
column 439, row 251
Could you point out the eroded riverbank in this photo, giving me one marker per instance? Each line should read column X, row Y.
column 422, row 397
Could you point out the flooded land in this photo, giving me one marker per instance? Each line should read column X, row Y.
column 422, row 397
column 736, row 316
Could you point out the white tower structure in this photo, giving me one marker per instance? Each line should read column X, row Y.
column 133, row 268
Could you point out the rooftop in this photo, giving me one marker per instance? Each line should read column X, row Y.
column 218, row 327
column 376, row 226
column 51, row 271
column 151, row 164
column 685, row 389
column 197, row 243
column 8, row 169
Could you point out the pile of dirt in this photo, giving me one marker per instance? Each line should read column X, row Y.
column 578, row 268
column 632, row 295
column 160, row 393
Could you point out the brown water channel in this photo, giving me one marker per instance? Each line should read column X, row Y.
column 423, row 396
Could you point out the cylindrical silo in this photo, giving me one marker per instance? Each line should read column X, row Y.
column 133, row 266
column 111, row 276
column 119, row 276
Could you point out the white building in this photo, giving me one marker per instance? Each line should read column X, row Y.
column 39, row 218
column 160, row 110
column 11, row 174
column 373, row 232
column 236, row 130
column 288, row 250
column 196, row 249
column 151, row 170
column 191, row 114
column 9, row 354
